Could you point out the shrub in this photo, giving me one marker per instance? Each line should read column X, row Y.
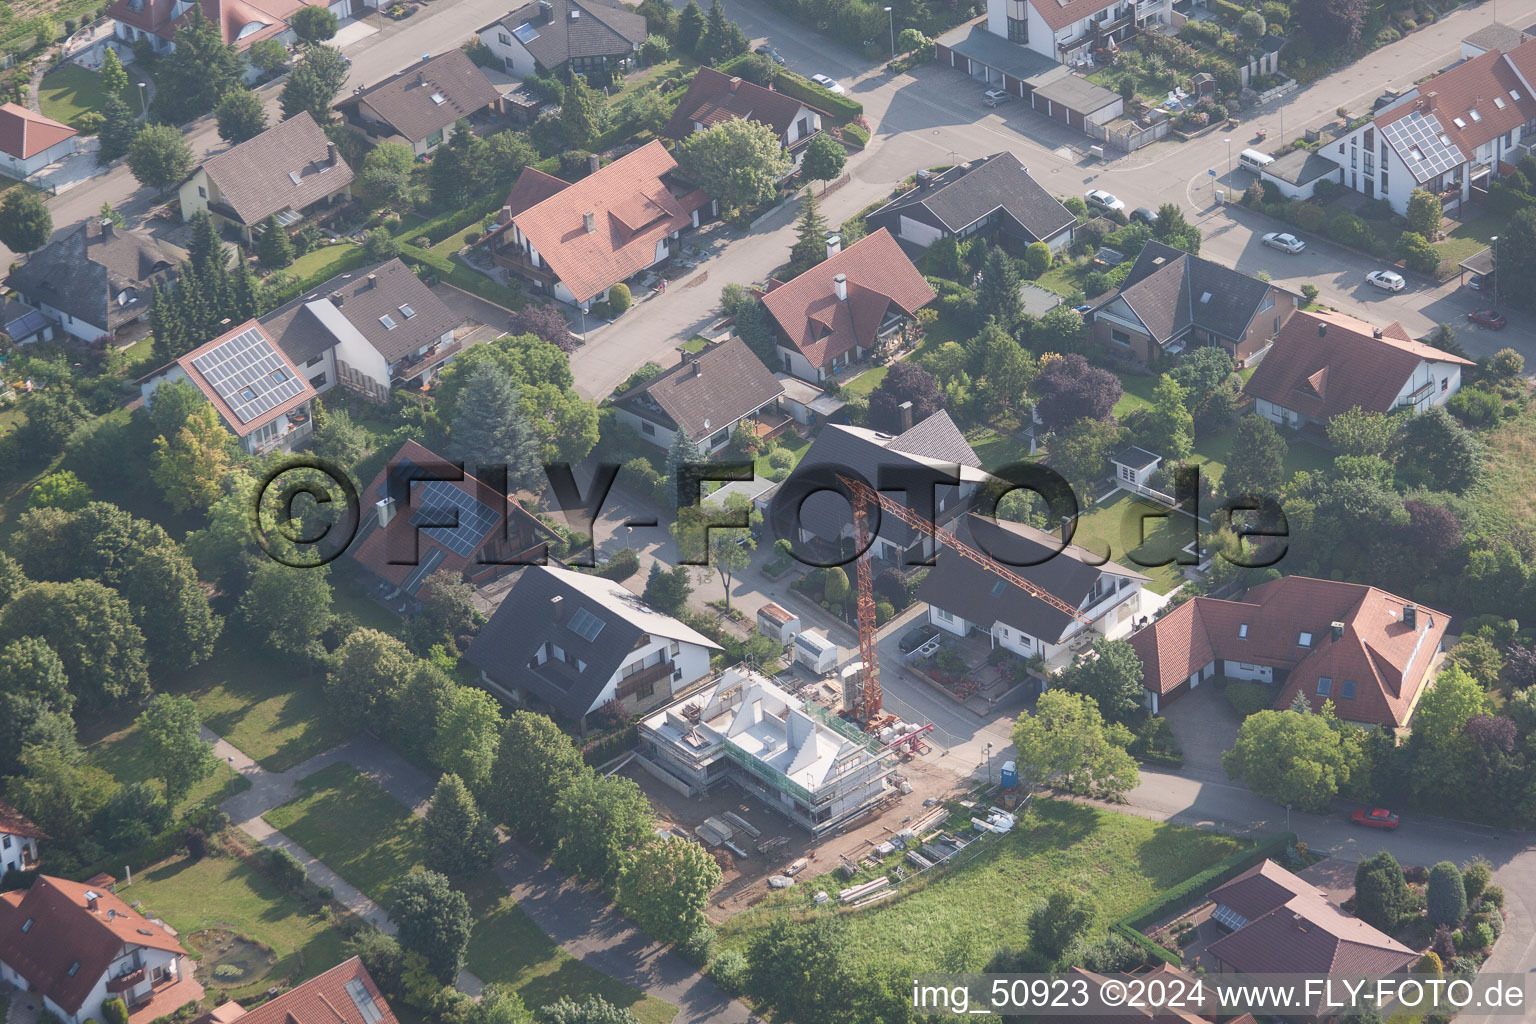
column 115, row 1011
column 1444, row 944
column 781, row 458
column 621, row 566
column 1475, row 405
column 196, row 841
column 1310, row 292
column 1475, row 877
column 1249, row 698
column 729, row 970
column 619, row 298
column 1470, row 940
column 1347, row 229
column 1417, row 253
column 286, row 868
column 697, row 947
column 1493, row 896
column 1447, row 897
column 1095, row 284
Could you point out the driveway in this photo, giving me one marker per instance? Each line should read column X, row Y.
column 1205, row 726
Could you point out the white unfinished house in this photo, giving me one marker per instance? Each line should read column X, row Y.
column 802, row 761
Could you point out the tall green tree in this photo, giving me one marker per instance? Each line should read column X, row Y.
column 582, row 113
column 54, row 412
column 824, row 159
column 60, row 793
column 597, row 820
column 434, row 921
column 25, row 223
column 173, row 744
column 188, row 466
column 1446, row 895
column 368, row 673
column 192, row 79
column 1257, row 465
column 35, row 700
column 723, row 39
column 273, row 246
column 728, row 550
column 169, row 336
column 665, row 886
column 810, row 246
column 314, row 82
column 535, row 763
column 1382, row 896
column 314, row 24
column 1058, row 923
column 288, row 608
column 1357, row 432
column 457, row 166
column 171, row 607
column 159, row 157
column 467, row 735
column 489, row 428
column 1168, row 428
column 1007, row 368
column 667, row 590
column 240, row 115
column 1112, row 679
column 1424, row 213
column 690, row 28
column 998, row 293
column 1065, row 743
column 113, row 78
column 385, row 177
column 739, row 162
column 91, row 628
column 119, row 127
column 1291, row 758
column 457, row 837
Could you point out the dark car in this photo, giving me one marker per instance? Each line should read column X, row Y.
column 774, row 55
column 1378, row 818
column 1490, row 318
column 915, row 637
column 1146, row 216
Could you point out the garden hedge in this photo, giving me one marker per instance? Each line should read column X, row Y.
column 841, row 108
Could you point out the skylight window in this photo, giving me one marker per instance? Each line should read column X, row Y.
column 1242, row 631
column 388, row 322
column 1416, row 152
column 363, row 1001
column 1458, row 122
column 439, row 98
column 1205, row 297
column 26, row 925
column 407, row 312
column 249, row 394
column 999, row 587
column 279, row 375
column 1475, row 115
column 1498, row 101
column 1304, row 640
column 293, row 176
column 586, row 625
column 1445, row 140
column 74, row 968
column 1514, row 94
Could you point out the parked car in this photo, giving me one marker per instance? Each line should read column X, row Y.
column 1099, row 199
column 1379, row 818
column 915, row 637
column 774, row 55
column 1284, row 241
column 1477, row 282
column 1387, row 280
column 829, row 84
column 1490, row 318
column 996, row 97
column 1145, row 215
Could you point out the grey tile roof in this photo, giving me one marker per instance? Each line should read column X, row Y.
column 97, row 273
column 1301, row 166
column 711, row 389
column 1167, row 289
column 965, row 194
column 256, row 178
column 302, row 336
column 602, row 29
column 407, row 100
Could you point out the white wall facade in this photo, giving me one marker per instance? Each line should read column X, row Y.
column 157, row 964
column 514, row 56
column 73, row 325
column 1243, row 670
column 690, row 663
column 16, row 851
column 19, row 168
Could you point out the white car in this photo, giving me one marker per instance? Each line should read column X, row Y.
column 1284, row 241
column 828, row 84
column 1097, row 197
column 1387, row 280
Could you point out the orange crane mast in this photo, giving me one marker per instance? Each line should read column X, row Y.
column 863, row 497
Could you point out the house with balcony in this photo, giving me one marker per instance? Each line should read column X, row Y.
column 1325, row 363
column 1065, row 30
column 239, row 22
column 257, row 390
column 76, row 945
column 706, row 396
column 1454, row 133
column 370, row 330
column 577, row 643
column 964, row 597
column 291, row 171
column 95, row 279
column 420, row 105
column 345, row 994
column 422, row 514
column 18, row 840
column 573, row 241
column 837, row 312
column 714, row 97
column 1171, row 302
column 551, row 37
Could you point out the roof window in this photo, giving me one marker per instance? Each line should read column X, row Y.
column 1498, row 101
column 407, row 312
column 26, row 925
column 249, row 394
column 388, row 322
column 1205, row 297
column 1304, row 640
column 74, row 968
column 1475, row 115
column 1242, row 631
column 293, row 176
column 1458, row 122
column 439, row 98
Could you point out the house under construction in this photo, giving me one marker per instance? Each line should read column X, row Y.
column 817, row 769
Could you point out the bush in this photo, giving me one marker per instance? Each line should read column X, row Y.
column 619, row 299
column 655, row 50
column 1095, row 284
column 115, row 1011
column 621, row 566
column 1473, row 939
column 1493, row 896
column 729, row 970
column 1475, row 877
column 286, row 868
column 806, row 91
column 1249, row 698
column 1417, row 253
column 1310, row 292
column 697, row 947
column 1476, row 406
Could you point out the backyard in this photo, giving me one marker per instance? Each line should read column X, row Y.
column 121, row 755
column 365, row 835
column 1505, row 494
column 70, row 91
column 1116, row 861
column 1128, row 525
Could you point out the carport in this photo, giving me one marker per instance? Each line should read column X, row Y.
column 1478, row 263
column 985, row 57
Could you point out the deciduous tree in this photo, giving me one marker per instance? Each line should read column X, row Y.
column 1068, row 389
column 467, row 735
column 665, row 885
column 738, row 162
column 174, row 746
column 535, row 763
column 91, row 628
column 434, row 921
column 159, row 157
column 597, row 820
column 314, row 82
column 240, row 114
column 904, row 381
column 1257, row 465
column 824, row 159
column 368, row 673
column 188, row 465
column 1112, row 680
column 25, row 223
column 287, row 608
column 313, row 24
column 1064, row 743
column 1291, row 758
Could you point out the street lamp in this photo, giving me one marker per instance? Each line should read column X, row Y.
column 891, row 14
column 1229, row 161
column 143, row 103
column 989, row 764
column 1493, row 244
column 627, row 531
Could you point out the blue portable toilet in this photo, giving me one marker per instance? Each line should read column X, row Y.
column 1010, row 776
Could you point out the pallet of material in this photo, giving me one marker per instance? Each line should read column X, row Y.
column 770, row 844
column 876, row 898
column 720, row 828
column 746, row 826
column 935, row 853
column 859, row 891
column 738, row 851
column 710, row 837
column 918, row 861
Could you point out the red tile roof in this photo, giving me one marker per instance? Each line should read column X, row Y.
column 824, row 327
column 1060, row 13
column 1323, row 374
column 1386, row 660
column 632, row 209
column 714, row 97
column 65, row 932
column 1472, row 85
column 13, row 822
column 532, row 187
column 323, row 999
column 264, row 18
column 25, row 133
column 1261, row 889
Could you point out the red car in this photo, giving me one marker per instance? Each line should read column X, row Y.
column 1378, row 818
column 1487, row 318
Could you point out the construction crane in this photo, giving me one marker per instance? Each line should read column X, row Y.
column 863, row 496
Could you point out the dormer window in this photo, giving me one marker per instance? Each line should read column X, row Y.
column 1304, row 640
column 1242, row 631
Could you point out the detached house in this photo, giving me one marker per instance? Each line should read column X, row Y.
column 574, row 241
column 579, row 642
column 257, row 390
column 1323, row 364
column 76, row 944
column 18, row 840
column 420, row 105
column 29, row 141
column 706, row 396
column 1172, row 301
column 963, row 597
column 240, row 22
column 1449, row 135
column 835, row 313
column 989, row 194
column 713, row 97
column 1064, row 30
column 369, row 330
column 465, row 526
column 96, row 279
column 550, row 36
column 1368, row 651
column 291, row 170
column 345, row 994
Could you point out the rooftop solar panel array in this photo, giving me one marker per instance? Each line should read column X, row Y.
column 249, row 375
column 1422, row 144
column 444, row 502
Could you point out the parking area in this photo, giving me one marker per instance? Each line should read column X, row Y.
column 1205, row 726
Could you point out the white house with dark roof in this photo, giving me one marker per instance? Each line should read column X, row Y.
column 990, row 192
column 1134, row 467
column 1063, row 30
column 548, row 36
column 706, row 396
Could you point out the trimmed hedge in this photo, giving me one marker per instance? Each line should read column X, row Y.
column 841, row 108
column 415, row 255
column 440, row 227
column 1191, row 891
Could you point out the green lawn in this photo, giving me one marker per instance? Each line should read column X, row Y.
column 275, row 714
column 225, row 892
column 996, row 449
column 1116, row 861
column 476, row 283
column 1137, row 393
column 67, row 93
column 1469, row 237
column 363, row 834
column 1065, row 279
column 1213, row 451
column 1122, row 527
column 793, row 443
column 864, row 383
column 121, row 754
column 317, row 260
column 694, row 345
column 1505, row 494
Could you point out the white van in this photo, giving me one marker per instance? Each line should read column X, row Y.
column 1254, row 160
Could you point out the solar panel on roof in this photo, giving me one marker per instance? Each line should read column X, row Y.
column 243, row 372
column 525, row 33
column 442, row 502
column 586, row 625
column 1425, row 148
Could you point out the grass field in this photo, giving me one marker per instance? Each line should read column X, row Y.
column 370, row 839
column 226, row 892
column 121, row 754
column 1136, row 393
column 1116, row 861
column 1117, row 529
column 275, row 714
column 72, row 90
column 864, row 383
column 317, row 260
column 1505, row 496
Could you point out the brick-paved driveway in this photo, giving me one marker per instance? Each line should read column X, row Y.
column 1205, row 726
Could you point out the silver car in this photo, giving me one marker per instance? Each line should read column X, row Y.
column 1284, row 241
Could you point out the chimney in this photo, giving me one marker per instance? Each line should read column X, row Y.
column 373, row 279
column 91, row 900
column 1431, row 100
column 332, row 156
column 840, row 286
column 594, row 163
column 904, row 410
column 589, row 221
column 923, row 179
column 1376, row 332
column 698, row 367
column 1322, row 330
column 421, row 76
column 1338, row 630
column 546, row 9
column 385, row 507
column 225, row 323
column 108, row 228
column 556, row 608
column 834, row 244
column 337, row 298
column 1411, row 616
column 506, row 214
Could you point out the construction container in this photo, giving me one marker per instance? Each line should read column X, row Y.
column 815, row 651
column 778, row 623
column 1010, row 775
